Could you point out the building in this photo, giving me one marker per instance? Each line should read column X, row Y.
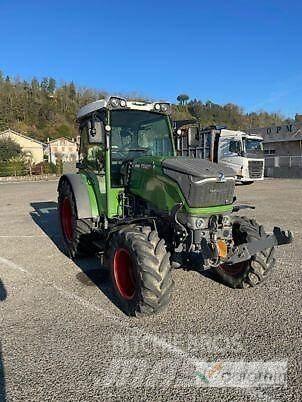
column 282, row 149
column 62, row 149
column 32, row 149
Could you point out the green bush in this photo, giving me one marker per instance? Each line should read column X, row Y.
column 13, row 168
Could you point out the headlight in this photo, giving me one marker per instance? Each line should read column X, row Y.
column 200, row 223
column 123, row 103
column 226, row 220
column 157, row 106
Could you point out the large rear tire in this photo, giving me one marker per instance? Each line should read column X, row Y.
column 140, row 270
column 76, row 232
column 248, row 273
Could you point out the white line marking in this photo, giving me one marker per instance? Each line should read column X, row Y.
column 84, row 303
column 10, row 264
column 20, row 236
column 155, row 340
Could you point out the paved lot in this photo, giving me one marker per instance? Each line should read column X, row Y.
column 62, row 338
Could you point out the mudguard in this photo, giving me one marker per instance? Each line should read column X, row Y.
column 81, row 195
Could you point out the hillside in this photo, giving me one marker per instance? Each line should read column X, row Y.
column 42, row 109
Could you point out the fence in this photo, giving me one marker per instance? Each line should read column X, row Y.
column 283, row 166
column 283, row 161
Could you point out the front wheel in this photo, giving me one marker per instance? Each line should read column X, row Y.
column 254, row 271
column 76, row 232
column 140, row 270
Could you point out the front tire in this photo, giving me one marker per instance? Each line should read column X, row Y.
column 140, row 270
column 254, row 271
column 76, row 232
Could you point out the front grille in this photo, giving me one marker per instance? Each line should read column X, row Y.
column 211, row 193
column 255, row 169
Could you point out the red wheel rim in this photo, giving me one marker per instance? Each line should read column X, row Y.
column 123, row 272
column 66, row 219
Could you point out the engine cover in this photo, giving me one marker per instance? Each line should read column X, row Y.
column 203, row 183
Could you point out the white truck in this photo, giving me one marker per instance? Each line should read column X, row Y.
column 238, row 150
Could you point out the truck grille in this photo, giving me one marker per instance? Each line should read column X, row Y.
column 255, row 169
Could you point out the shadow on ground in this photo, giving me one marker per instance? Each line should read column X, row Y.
column 3, row 295
column 92, row 273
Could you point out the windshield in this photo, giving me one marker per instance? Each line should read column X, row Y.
column 253, row 145
column 137, row 133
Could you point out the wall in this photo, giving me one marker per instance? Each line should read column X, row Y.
column 283, row 172
column 26, row 145
column 284, row 148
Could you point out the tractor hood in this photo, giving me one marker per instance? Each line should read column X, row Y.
column 164, row 182
column 201, row 168
column 202, row 183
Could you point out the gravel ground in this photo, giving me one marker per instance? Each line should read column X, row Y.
column 62, row 337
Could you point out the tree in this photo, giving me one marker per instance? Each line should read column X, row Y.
column 183, row 99
column 51, row 85
column 9, row 149
column 44, row 84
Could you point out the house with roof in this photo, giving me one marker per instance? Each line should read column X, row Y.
column 62, row 149
column 32, row 149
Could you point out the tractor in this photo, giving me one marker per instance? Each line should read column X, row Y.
column 144, row 210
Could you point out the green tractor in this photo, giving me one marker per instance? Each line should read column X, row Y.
column 146, row 210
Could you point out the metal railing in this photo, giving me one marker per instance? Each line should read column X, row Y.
column 283, row 161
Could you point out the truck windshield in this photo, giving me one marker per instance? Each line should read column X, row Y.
column 136, row 133
column 253, row 146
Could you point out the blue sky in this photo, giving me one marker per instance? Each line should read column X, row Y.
column 246, row 52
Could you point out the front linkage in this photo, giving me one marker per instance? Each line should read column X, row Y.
column 242, row 258
column 245, row 251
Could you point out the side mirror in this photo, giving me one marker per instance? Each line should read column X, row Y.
column 96, row 131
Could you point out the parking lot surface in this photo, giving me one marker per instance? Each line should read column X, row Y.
column 63, row 338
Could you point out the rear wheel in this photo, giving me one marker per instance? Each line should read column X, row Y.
column 140, row 270
column 76, row 232
column 254, row 271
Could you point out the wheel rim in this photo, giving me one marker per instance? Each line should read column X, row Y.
column 123, row 271
column 66, row 219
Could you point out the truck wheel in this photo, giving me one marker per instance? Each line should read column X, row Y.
column 254, row 271
column 76, row 232
column 140, row 270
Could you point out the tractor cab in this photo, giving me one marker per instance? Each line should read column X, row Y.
column 115, row 132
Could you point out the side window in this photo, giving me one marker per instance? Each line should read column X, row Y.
column 84, row 141
column 234, row 147
column 90, row 154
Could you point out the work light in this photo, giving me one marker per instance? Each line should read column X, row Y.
column 114, row 102
column 164, row 107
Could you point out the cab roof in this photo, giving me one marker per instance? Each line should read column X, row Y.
column 134, row 105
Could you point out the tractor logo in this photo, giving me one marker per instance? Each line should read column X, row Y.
column 221, row 177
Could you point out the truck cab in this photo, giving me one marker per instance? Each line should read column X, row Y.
column 240, row 151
